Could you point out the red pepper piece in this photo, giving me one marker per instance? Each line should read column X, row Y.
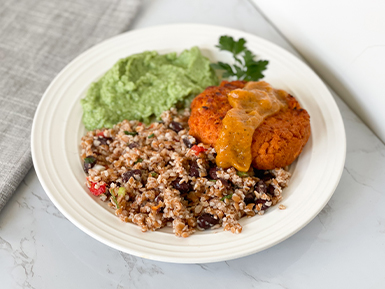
column 100, row 134
column 97, row 191
column 197, row 149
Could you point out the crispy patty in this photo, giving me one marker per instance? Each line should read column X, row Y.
column 277, row 142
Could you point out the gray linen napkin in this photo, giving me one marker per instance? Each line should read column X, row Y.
column 37, row 39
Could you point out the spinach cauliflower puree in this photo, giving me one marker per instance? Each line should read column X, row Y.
column 144, row 85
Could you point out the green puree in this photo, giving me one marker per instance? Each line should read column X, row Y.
column 144, row 85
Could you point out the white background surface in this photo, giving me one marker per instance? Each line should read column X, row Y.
column 343, row 247
column 344, row 41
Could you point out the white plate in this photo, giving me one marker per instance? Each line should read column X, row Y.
column 57, row 130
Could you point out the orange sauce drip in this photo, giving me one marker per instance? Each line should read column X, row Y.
column 251, row 106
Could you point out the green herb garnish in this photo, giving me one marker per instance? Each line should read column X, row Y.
column 226, row 197
column 130, row 132
column 214, row 181
column 151, row 135
column 114, row 199
column 90, row 160
column 242, row 174
column 154, row 174
column 245, row 68
column 138, row 161
column 121, row 191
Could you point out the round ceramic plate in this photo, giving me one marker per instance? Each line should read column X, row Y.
column 57, row 130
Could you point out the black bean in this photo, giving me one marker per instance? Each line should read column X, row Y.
column 225, row 183
column 183, row 187
column 104, row 140
column 213, row 173
column 262, row 175
column 206, row 221
column 133, row 145
column 267, row 177
column 263, row 202
column 176, row 126
column 259, row 173
column 249, row 198
column 131, row 173
column 187, row 142
column 260, row 187
column 116, row 183
column 194, row 169
column 158, row 198
column 270, row 190
column 89, row 163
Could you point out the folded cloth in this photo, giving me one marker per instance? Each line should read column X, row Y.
column 37, row 39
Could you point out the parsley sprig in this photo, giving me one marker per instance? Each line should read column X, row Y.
column 227, row 197
column 245, row 67
column 133, row 133
column 242, row 174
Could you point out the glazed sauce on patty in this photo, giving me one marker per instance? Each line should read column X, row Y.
column 250, row 107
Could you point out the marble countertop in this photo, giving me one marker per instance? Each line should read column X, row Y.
column 343, row 247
